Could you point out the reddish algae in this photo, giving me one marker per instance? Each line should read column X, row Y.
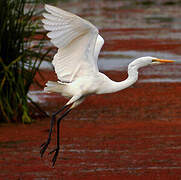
column 132, row 134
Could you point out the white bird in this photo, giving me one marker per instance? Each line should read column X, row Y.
column 75, row 63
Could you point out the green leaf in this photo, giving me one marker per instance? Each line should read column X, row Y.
column 19, row 60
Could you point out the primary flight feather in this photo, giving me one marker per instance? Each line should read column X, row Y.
column 75, row 63
column 76, row 39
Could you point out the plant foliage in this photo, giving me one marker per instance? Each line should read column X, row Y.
column 19, row 59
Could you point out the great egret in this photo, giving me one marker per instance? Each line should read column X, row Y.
column 75, row 63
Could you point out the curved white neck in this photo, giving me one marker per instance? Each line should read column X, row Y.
column 114, row 86
column 131, row 79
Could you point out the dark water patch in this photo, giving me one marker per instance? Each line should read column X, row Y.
column 158, row 18
column 146, row 3
column 171, row 3
column 11, row 144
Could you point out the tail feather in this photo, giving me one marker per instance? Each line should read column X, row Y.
column 53, row 87
column 51, row 83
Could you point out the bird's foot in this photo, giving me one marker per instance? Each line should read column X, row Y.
column 56, row 150
column 43, row 147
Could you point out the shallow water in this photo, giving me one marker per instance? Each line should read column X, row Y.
column 119, row 60
column 136, row 134
column 133, row 29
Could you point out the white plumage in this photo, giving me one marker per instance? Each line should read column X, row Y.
column 76, row 39
column 75, row 63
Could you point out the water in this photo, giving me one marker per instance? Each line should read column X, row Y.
column 131, row 29
column 129, row 135
column 119, row 60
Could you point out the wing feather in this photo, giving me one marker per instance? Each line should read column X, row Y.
column 51, row 17
column 77, row 42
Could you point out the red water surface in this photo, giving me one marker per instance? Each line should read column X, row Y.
column 132, row 134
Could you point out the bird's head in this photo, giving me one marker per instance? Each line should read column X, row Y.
column 145, row 61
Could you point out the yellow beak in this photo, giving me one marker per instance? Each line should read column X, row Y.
column 163, row 60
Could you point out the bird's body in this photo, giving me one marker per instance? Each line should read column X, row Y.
column 97, row 83
column 75, row 63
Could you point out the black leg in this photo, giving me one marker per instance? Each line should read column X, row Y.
column 44, row 146
column 56, row 150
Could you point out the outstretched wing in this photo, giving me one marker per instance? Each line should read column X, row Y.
column 78, row 42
